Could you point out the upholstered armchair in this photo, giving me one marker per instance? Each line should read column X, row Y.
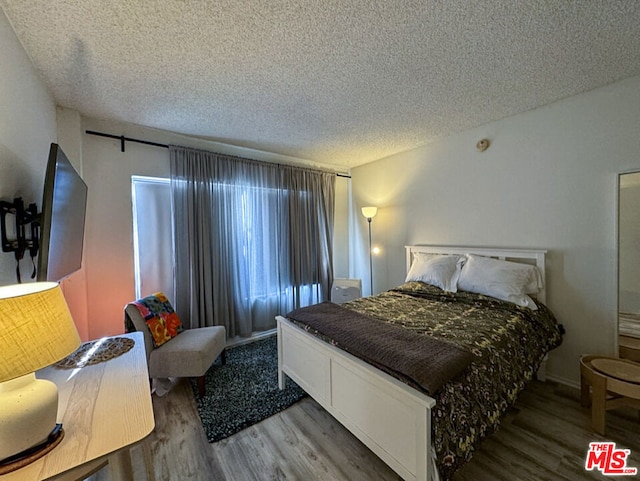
column 171, row 350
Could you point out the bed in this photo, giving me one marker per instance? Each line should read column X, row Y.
column 426, row 433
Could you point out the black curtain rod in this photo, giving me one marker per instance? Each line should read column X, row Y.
column 122, row 140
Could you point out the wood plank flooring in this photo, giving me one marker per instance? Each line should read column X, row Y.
column 545, row 436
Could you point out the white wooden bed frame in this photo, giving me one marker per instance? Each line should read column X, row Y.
column 388, row 416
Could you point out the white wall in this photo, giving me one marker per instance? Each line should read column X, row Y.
column 341, row 232
column 548, row 180
column 75, row 285
column 109, row 233
column 27, row 127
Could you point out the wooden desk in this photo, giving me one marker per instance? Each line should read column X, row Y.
column 104, row 408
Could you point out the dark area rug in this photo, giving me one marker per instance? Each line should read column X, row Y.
column 244, row 391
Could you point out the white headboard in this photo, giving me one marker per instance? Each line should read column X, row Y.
column 526, row 256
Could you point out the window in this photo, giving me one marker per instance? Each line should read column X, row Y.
column 152, row 236
column 259, row 239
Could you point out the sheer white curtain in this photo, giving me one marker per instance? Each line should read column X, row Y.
column 152, row 236
column 252, row 239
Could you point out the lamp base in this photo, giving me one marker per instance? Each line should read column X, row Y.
column 30, row 455
column 28, row 414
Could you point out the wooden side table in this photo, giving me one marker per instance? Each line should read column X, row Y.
column 608, row 383
column 629, row 348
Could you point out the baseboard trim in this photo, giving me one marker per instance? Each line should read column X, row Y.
column 564, row 381
column 255, row 336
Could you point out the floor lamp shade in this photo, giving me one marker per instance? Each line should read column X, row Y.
column 37, row 330
column 369, row 212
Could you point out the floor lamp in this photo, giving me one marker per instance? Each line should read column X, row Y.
column 370, row 213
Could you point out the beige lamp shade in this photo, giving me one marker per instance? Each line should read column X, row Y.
column 369, row 212
column 36, row 328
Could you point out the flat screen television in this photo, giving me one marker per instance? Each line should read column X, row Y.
column 64, row 202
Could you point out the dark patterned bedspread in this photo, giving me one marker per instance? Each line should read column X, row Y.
column 422, row 362
column 508, row 343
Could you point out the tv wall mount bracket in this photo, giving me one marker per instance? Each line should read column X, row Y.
column 25, row 219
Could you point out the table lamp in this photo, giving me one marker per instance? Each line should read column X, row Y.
column 36, row 330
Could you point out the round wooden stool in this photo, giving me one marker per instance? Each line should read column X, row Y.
column 614, row 383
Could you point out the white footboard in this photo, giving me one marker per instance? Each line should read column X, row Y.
column 389, row 417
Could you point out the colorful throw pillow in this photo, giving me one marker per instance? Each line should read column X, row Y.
column 163, row 322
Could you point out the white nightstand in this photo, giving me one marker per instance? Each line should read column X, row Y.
column 344, row 290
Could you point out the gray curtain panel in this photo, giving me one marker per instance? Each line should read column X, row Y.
column 252, row 239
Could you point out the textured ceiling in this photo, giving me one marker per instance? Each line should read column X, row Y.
column 340, row 82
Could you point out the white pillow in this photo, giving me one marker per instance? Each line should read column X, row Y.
column 508, row 281
column 441, row 271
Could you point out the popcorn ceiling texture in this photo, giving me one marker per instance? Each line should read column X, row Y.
column 340, row 82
